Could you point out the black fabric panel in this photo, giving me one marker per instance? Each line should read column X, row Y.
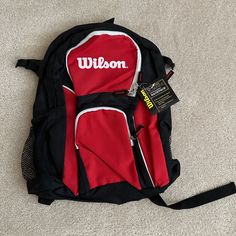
column 83, row 179
column 153, row 67
column 113, row 193
column 165, row 127
column 52, row 189
column 149, row 72
column 43, row 183
column 68, row 83
column 119, row 101
column 49, row 187
column 49, row 131
column 40, row 107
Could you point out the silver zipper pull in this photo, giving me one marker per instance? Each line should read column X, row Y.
column 133, row 90
column 132, row 138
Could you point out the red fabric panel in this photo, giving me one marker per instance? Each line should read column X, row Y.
column 150, row 142
column 70, row 177
column 105, row 147
column 111, row 48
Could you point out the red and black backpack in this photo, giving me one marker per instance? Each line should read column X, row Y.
column 92, row 138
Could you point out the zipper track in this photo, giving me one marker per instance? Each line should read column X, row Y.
column 145, row 163
column 93, row 109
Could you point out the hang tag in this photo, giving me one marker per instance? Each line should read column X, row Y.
column 157, row 96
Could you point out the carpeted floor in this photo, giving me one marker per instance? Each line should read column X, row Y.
column 200, row 36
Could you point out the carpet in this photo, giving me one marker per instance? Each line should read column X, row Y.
column 200, row 36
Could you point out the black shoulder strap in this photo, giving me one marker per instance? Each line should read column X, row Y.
column 30, row 64
column 199, row 199
column 168, row 62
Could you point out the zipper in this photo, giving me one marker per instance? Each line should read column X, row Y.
column 93, row 109
column 141, row 151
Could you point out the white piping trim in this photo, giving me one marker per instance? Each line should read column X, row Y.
column 141, row 151
column 133, row 89
column 69, row 89
column 98, row 109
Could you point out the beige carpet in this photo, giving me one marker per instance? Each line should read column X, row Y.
column 200, row 36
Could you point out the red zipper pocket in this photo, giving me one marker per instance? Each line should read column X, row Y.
column 103, row 138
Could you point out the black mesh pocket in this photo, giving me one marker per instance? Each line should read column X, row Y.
column 170, row 140
column 27, row 163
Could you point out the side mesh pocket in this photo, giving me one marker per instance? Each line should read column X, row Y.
column 27, row 163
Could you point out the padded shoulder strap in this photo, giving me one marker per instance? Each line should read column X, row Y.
column 168, row 62
column 30, row 64
column 199, row 199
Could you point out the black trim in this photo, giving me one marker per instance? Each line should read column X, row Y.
column 83, row 179
column 165, row 127
column 119, row 101
column 144, row 178
column 117, row 193
column 143, row 175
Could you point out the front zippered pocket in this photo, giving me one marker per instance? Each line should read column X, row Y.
column 103, row 139
column 100, row 56
column 94, row 109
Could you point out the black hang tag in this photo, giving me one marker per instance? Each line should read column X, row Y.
column 157, row 96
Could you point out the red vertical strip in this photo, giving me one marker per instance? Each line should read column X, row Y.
column 70, row 177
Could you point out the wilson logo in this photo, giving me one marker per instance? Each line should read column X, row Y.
column 99, row 63
column 147, row 99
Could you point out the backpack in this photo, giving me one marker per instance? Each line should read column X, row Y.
column 92, row 138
